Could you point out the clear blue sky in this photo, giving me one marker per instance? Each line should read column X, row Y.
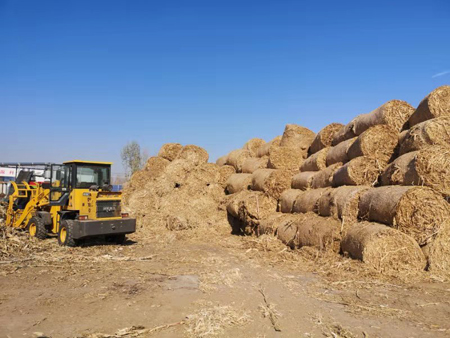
column 80, row 79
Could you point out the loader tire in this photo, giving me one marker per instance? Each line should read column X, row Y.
column 36, row 228
column 65, row 233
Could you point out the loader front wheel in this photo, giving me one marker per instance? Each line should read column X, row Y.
column 36, row 228
column 65, row 233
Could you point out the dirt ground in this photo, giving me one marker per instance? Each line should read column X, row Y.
column 206, row 282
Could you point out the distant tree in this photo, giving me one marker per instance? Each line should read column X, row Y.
column 131, row 158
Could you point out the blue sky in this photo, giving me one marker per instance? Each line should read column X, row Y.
column 80, row 79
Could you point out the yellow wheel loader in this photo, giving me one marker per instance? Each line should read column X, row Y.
column 73, row 200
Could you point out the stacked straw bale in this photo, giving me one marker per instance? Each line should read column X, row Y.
column 325, row 137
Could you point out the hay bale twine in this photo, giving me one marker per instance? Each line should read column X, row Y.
column 341, row 203
column 264, row 150
column 383, row 248
column 325, row 137
column 323, row 178
column 416, row 211
column 287, row 200
column 359, row 171
column 193, row 154
column 429, row 167
column 322, row 233
column 253, row 145
column 297, row 137
column 170, row 151
column 285, row 158
column 225, row 172
column 437, row 252
column 238, row 182
column 393, row 114
column 303, row 180
column 316, row 161
column 237, row 157
column 254, row 163
column 222, row 160
column 338, row 153
column 156, row 166
column 376, row 142
column 270, row 181
column 344, row 134
column 308, row 200
column 422, row 135
column 435, row 104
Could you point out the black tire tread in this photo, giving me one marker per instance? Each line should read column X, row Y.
column 41, row 230
column 69, row 225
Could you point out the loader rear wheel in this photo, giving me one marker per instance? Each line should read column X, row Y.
column 65, row 233
column 36, row 228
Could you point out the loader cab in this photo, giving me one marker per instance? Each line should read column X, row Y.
column 77, row 178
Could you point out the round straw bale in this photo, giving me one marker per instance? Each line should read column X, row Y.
column 416, row 211
column 308, row 200
column 325, row 137
column 270, row 181
column 264, row 150
column 393, row 113
column 437, row 252
column 237, row 157
column 287, row 199
column 383, row 248
column 269, row 225
column 435, row 104
column 287, row 230
column 377, row 142
column 338, row 153
column 344, row 134
column 156, row 166
column 341, row 203
column 320, row 232
column 238, row 182
column 204, row 175
column 225, row 172
column 316, row 161
column 170, row 151
column 429, row 167
column 298, row 137
column 303, row 180
column 194, row 154
column 323, row 178
column 422, row 135
column 222, row 160
column 254, row 163
column 285, row 158
column 254, row 206
column 359, row 171
column 253, row 145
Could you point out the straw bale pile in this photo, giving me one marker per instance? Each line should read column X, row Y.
column 323, row 178
column 338, row 153
column 254, row 163
column 264, row 150
column 325, row 137
column 237, row 158
column 317, row 161
column 253, row 145
column 170, row 151
column 270, row 181
column 303, row 180
column 238, row 182
column 359, row 171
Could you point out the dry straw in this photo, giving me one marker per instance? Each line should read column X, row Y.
column 253, row 145
column 325, row 137
column 429, row 167
column 170, row 151
column 416, row 211
column 316, row 161
column 376, row 142
column 435, row 104
column 422, row 135
column 237, row 158
column 264, row 150
column 297, row 137
column 383, row 248
column 286, row 158
column 359, row 171
column 338, row 153
column 303, row 180
column 238, row 182
column 323, row 178
column 270, row 181
column 308, row 200
column 252, row 164
column 287, row 199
